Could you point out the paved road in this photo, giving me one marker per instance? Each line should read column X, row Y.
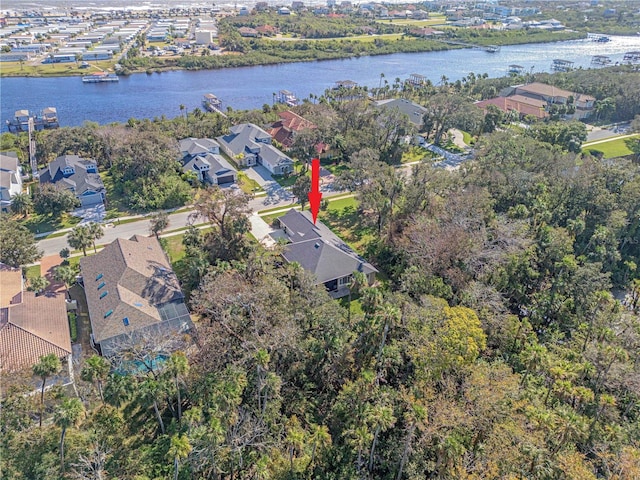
column 52, row 246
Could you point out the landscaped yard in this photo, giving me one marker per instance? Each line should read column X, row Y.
column 416, row 154
column 46, row 223
column 617, row 147
column 32, row 272
column 248, row 185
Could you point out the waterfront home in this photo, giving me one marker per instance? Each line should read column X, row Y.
column 133, row 295
column 10, row 179
column 80, row 175
column 250, row 145
column 31, row 325
column 284, row 130
column 321, row 252
column 411, row 109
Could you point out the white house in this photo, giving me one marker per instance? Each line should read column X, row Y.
column 10, row 179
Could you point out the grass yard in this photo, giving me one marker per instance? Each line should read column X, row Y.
column 433, row 20
column 53, row 69
column 174, row 247
column 248, row 185
column 416, row 154
column 467, row 138
column 32, row 272
column 47, row 223
column 287, row 181
column 617, row 147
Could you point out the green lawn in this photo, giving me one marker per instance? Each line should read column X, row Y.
column 52, row 69
column 174, row 247
column 416, row 154
column 344, row 220
column 467, row 138
column 32, row 272
column 47, row 223
column 433, row 20
column 248, row 185
column 617, row 147
column 287, row 181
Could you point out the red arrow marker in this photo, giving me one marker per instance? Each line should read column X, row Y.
column 314, row 195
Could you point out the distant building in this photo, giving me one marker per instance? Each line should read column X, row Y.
column 284, row 130
column 411, row 109
column 202, row 156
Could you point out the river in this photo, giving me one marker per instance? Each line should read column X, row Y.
column 153, row 95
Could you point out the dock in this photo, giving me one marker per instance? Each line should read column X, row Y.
column 515, row 69
column 559, row 65
column 631, row 57
column 600, row 61
column 288, row 98
column 416, row 80
column 211, row 103
column 23, row 120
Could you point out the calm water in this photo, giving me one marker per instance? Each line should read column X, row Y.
column 148, row 96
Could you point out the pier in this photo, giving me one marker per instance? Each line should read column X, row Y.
column 288, row 98
column 515, row 69
column 416, row 80
column 631, row 57
column 211, row 103
column 600, row 61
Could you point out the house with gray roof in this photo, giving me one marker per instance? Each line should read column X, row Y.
column 411, row 109
column 132, row 292
column 202, row 156
column 80, row 175
column 10, row 179
column 321, row 252
column 249, row 145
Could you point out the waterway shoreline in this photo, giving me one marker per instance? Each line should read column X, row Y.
column 410, row 45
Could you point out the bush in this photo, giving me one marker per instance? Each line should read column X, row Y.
column 73, row 326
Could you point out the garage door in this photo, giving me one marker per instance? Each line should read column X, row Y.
column 225, row 179
column 90, row 200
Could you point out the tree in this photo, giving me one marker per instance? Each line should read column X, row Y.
column 67, row 415
column 65, row 274
column 96, row 369
column 47, row 366
column 96, row 232
column 301, row 189
column 80, row 238
column 38, row 284
column 52, row 200
column 22, row 204
column 178, row 367
column 158, row 223
column 17, row 244
column 179, row 449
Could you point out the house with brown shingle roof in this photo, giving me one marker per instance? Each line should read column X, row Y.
column 132, row 292
column 30, row 326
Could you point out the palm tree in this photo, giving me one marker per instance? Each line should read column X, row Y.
column 38, row 284
column 47, row 366
column 381, row 419
column 320, row 439
column 22, row 203
column 65, row 274
column 179, row 450
column 182, row 109
column 96, row 369
column 67, row 415
column 96, row 232
column 80, row 238
column 150, row 389
column 178, row 366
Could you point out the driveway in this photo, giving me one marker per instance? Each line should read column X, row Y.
column 275, row 193
column 95, row 213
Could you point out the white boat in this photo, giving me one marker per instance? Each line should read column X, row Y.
column 100, row 77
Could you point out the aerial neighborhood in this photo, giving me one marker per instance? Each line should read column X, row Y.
column 405, row 277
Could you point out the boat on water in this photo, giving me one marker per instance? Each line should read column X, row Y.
column 100, row 77
column 492, row 48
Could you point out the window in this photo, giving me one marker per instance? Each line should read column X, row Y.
column 102, row 284
column 99, row 277
column 344, row 280
column 108, row 313
column 104, row 294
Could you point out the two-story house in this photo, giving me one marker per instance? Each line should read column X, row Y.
column 10, row 179
column 80, row 175
column 250, row 145
column 202, row 156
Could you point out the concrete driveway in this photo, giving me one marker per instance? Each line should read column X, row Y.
column 275, row 193
column 95, row 213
